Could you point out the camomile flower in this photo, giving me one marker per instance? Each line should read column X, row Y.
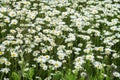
column 7, row 63
column 114, row 66
column 5, row 77
column 60, row 48
column 71, row 37
column 77, row 49
column 3, row 60
column 116, row 74
column 26, row 2
column 115, row 55
column 18, row 41
column 13, row 31
column 98, row 65
column 107, row 33
column 14, row 21
column 52, row 43
column 1, row 15
column 80, row 44
column 47, row 57
column 38, row 28
column 70, row 44
column 79, row 60
column 108, row 51
column 52, row 34
column 6, row 42
column 26, row 69
column 5, row 70
column 44, row 50
column 99, row 57
column 49, row 48
column 14, row 54
column 94, row 11
column 5, row 1
column 87, row 50
column 1, row 53
column 19, row 35
column 3, row 31
column 83, row 74
column 35, row 53
column 61, row 57
column 9, row 37
column 97, row 33
column 68, row 52
column 51, row 61
column 7, row 20
column 57, row 64
column 90, row 57
column 32, row 16
column 31, row 31
column 86, row 37
column 3, row 9
column 45, row 67
column 41, row 59
column 99, row 48
column 37, row 39
column 12, row 14
column 113, row 28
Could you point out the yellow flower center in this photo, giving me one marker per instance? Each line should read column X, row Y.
column 1, row 53
column 56, row 64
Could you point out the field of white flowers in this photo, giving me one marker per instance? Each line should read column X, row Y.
column 59, row 39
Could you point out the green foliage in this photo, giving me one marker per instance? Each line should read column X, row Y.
column 15, row 76
column 70, row 76
column 57, row 76
column 41, row 31
column 29, row 74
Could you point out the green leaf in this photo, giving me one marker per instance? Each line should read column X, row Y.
column 26, row 75
column 31, row 72
column 108, row 78
column 57, row 76
column 15, row 76
column 70, row 76
column 82, row 78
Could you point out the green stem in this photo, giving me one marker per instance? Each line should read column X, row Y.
column 2, row 76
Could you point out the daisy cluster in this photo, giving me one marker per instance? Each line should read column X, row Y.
column 56, row 35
